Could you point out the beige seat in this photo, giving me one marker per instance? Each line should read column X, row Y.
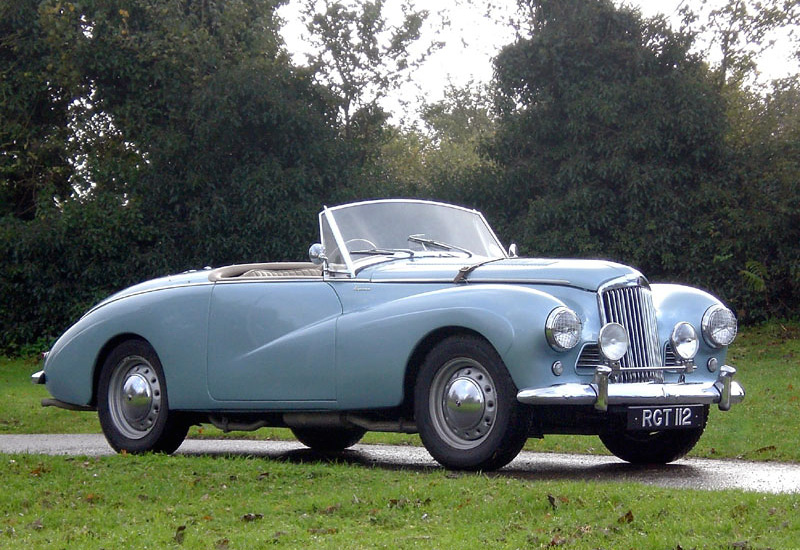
column 266, row 270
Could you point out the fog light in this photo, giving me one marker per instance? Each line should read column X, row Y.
column 684, row 341
column 613, row 342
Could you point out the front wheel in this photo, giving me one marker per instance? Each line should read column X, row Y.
column 466, row 407
column 651, row 447
column 132, row 402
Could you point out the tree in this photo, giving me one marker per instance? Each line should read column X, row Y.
column 764, row 217
column 191, row 140
column 361, row 56
column 610, row 138
column 740, row 31
column 34, row 115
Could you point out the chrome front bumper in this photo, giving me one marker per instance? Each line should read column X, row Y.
column 724, row 392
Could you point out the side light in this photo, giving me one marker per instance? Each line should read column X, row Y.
column 719, row 326
column 563, row 329
column 613, row 342
column 684, row 341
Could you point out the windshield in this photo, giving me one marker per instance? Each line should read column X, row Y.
column 405, row 227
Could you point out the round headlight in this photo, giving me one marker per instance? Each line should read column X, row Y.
column 563, row 329
column 684, row 341
column 719, row 326
column 613, row 341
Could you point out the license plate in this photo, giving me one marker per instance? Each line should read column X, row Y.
column 673, row 417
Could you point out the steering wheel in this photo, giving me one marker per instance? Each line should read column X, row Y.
column 349, row 244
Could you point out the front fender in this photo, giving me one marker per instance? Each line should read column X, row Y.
column 375, row 344
column 676, row 303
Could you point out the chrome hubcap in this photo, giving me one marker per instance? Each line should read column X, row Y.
column 134, row 397
column 137, row 398
column 463, row 407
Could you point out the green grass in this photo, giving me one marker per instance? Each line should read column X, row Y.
column 764, row 427
column 157, row 501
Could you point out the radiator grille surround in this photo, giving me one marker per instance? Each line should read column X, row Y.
column 631, row 305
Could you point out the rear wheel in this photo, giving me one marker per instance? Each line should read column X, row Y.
column 466, row 407
column 326, row 440
column 652, row 447
column 132, row 402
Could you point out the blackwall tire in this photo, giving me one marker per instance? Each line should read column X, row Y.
column 466, row 408
column 133, row 404
column 652, row 447
column 327, row 440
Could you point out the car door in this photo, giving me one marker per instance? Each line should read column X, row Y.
column 273, row 340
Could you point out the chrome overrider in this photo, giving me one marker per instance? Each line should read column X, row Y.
column 724, row 392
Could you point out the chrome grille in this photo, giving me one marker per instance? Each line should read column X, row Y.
column 632, row 307
column 589, row 357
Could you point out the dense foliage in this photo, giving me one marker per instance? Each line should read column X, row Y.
column 141, row 137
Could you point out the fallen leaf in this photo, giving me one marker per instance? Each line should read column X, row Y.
column 555, row 501
column 36, row 524
column 766, row 449
column 180, row 532
column 331, row 509
column 252, row 517
column 222, row 544
column 324, row 531
column 627, row 518
column 93, row 498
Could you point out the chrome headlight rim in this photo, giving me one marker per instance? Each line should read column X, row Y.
column 712, row 329
column 613, row 342
column 684, row 341
column 563, row 329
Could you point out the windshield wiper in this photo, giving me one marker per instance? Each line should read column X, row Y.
column 444, row 246
column 382, row 251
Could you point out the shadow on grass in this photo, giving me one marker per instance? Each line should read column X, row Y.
column 540, row 468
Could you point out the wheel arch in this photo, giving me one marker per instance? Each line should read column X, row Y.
column 417, row 358
column 105, row 351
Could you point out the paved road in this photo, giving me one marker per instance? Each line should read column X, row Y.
column 687, row 473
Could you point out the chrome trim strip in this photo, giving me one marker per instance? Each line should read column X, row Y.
column 147, row 291
column 449, row 280
column 725, row 391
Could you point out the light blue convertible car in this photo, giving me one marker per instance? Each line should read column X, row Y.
column 410, row 317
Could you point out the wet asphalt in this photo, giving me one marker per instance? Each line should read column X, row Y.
column 690, row 473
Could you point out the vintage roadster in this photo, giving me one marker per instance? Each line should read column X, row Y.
column 410, row 317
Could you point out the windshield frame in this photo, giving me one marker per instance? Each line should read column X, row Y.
column 330, row 228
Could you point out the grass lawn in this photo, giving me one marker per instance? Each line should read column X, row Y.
column 157, row 501
column 765, row 426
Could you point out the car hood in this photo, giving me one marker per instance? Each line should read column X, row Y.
column 584, row 274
